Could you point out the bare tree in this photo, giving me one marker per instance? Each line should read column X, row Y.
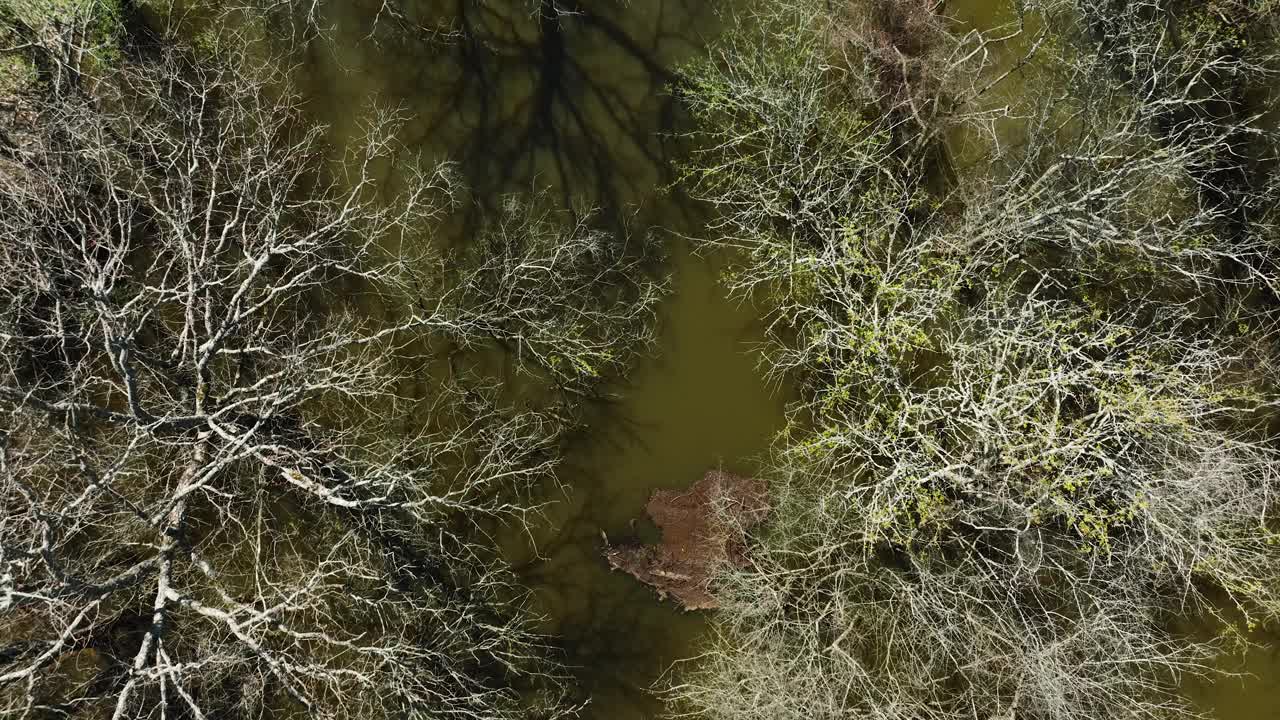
column 570, row 301
column 228, row 482
column 1043, row 395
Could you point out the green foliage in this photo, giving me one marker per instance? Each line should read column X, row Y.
column 95, row 25
column 17, row 74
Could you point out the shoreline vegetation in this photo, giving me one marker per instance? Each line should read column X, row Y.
column 1039, row 430
column 267, row 401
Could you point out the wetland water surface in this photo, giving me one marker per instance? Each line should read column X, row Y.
column 700, row 403
column 572, row 97
column 525, row 98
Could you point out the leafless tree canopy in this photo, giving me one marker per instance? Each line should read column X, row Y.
column 252, row 438
column 232, row 479
column 564, row 94
column 1043, row 392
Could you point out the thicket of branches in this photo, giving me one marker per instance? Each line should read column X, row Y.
column 239, row 473
column 1040, row 428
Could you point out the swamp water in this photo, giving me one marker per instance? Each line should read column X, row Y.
column 576, row 102
column 577, row 109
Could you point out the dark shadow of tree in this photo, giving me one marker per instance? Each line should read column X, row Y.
column 525, row 94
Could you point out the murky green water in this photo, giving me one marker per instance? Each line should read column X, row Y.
column 699, row 404
column 577, row 103
column 1254, row 694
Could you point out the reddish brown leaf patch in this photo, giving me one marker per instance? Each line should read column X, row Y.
column 702, row 527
